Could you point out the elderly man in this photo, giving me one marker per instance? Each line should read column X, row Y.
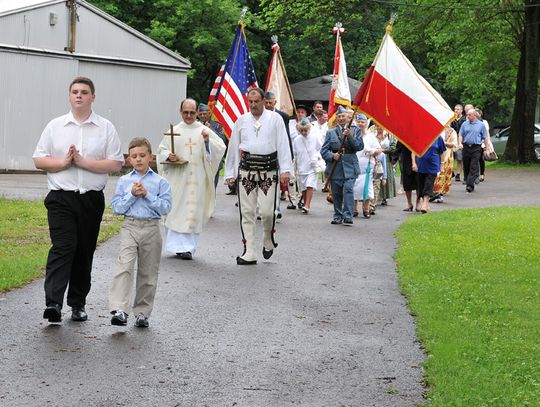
column 259, row 158
column 471, row 135
column 192, row 183
column 339, row 151
column 204, row 115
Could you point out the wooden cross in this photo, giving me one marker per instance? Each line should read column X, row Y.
column 190, row 144
column 180, row 160
column 172, row 134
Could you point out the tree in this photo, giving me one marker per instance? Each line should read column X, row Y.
column 471, row 52
column 520, row 145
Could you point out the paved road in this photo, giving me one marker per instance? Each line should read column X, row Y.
column 322, row 323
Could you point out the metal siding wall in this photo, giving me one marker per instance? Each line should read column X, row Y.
column 32, row 29
column 138, row 101
column 33, row 91
column 98, row 36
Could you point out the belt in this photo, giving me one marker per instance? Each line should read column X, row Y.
column 141, row 220
column 259, row 162
column 471, row 145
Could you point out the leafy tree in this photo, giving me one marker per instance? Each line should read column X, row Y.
column 471, row 53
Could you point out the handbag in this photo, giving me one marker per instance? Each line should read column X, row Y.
column 490, row 155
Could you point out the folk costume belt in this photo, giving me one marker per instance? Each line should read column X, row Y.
column 259, row 162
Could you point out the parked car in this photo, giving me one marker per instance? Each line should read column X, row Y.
column 499, row 140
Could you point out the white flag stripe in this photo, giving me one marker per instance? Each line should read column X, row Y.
column 342, row 92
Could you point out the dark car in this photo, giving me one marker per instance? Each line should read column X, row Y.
column 499, row 140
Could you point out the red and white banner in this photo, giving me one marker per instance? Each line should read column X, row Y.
column 340, row 93
column 278, row 83
column 395, row 96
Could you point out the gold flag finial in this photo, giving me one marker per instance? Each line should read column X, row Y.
column 243, row 14
column 390, row 26
column 274, row 39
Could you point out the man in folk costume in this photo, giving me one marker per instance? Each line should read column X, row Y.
column 339, row 151
column 192, row 183
column 258, row 159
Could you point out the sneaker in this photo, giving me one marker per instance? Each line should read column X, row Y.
column 439, row 199
column 458, row 178
column 119, row 318
column 141, row 321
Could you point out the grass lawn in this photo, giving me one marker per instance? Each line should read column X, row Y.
column 472, row 279
column 25, row 242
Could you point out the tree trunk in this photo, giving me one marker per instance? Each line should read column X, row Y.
column 520, row 145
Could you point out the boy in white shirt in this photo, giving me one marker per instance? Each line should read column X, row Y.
column 306, row 151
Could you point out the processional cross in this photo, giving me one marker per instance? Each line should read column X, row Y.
column 179, row 160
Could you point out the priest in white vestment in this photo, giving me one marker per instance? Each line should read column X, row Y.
column 192, row 183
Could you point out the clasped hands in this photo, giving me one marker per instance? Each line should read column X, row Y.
column 72, row 157
column 138, row 189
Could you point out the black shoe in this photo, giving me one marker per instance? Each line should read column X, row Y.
column 355, row 214
column 348, row 221
column 241, row 262
column 119, row 318
column 300, row 205
column 53, row 313
column 469, row 189
column 267, row 253
column 384, row 202
column 458, row 178
column 337, row 221
column 141, row 321
column 366, row 214
column 78, row 314
column 291, row 206
column 185, row 255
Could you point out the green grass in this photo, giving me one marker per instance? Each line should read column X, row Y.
column 507, row 165
column 25, row 242
column 472, row 281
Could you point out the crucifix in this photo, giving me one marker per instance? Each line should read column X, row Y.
column 179, row 160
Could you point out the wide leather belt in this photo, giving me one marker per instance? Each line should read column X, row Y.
column 258, row 162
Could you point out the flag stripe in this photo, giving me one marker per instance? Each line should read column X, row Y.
column 401, row 115
column 228, row 96
column 398, row 70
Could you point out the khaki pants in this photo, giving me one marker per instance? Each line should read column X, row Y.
column 140, row 240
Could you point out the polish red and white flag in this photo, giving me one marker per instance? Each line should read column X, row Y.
column 396, row 97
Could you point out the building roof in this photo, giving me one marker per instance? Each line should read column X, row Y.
column 14, row 6
column 8, row 7
column 319, row 88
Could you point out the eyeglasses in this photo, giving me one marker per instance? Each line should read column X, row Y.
column 189, row 113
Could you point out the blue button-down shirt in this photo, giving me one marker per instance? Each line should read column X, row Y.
column 156, row 203
column 473, row 133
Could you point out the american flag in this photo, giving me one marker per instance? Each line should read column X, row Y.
column 228, row 98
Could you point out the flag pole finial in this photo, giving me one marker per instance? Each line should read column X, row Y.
column 274, row 39
column 338, row 28
column 390, row 26
column 243, row 14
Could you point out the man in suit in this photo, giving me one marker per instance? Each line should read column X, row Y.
column 339, row 149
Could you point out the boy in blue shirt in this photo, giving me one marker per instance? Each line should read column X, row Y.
column 143, row 197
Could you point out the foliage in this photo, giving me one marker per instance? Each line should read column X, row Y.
column 475, row 293
column 24, row 240
column 468, row 53
column 306, row 39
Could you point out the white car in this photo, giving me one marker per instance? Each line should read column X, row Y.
column 499, row 140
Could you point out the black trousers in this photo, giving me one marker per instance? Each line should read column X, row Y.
column 471, row 163
column 74, row 221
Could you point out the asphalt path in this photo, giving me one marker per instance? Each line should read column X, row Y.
column 321, row 323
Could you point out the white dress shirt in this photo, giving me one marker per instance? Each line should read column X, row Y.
column 95, row 138
column 264, row 135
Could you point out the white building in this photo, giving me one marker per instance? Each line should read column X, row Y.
column 45, row 44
